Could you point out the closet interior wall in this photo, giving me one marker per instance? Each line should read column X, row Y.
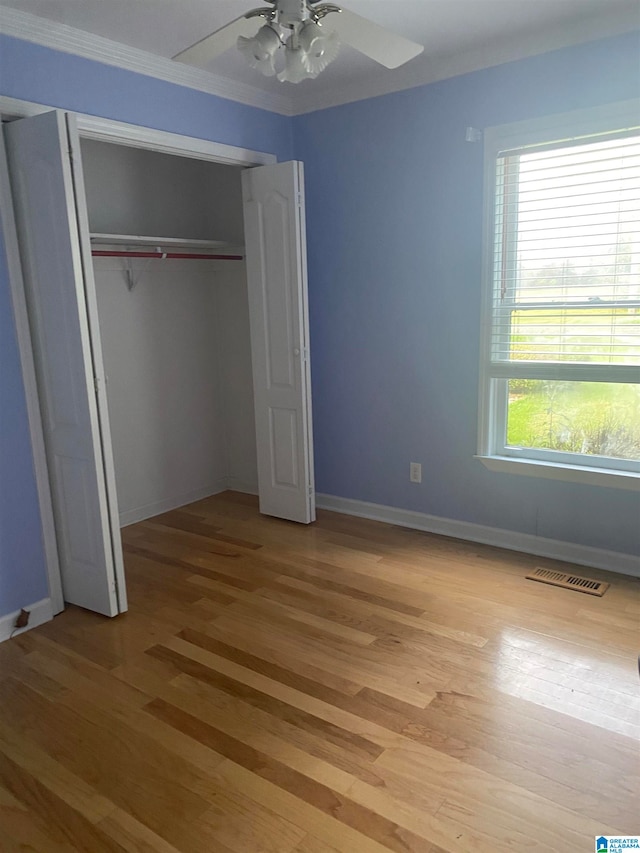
column 176, row 346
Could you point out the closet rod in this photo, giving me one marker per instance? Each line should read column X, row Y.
column 168, row 255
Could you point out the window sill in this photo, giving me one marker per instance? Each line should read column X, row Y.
column 571, row 473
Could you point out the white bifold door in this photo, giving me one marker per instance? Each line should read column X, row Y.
column 50, row 207
column 275, row 243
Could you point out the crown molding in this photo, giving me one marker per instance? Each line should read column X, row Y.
column 496, row 52
column 41, row 31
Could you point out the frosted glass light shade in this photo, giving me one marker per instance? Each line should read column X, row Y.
column 260, row 50
column 320, row 46
column 295, row 68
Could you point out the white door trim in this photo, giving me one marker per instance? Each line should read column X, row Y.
column 107, row 130
column 136, row 136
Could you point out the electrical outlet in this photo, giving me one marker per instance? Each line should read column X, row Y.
column 415, row 472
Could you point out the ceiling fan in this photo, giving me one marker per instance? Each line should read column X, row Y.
column 296, row 29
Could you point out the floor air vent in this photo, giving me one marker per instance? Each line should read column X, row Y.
column 588, row 585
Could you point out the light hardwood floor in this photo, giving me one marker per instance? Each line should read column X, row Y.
column 348, row 686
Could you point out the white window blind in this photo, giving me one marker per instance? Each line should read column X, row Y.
column 566, row 259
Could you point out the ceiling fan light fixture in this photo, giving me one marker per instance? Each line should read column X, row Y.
column 260, row 50
column 294, row 37
column 320, row 46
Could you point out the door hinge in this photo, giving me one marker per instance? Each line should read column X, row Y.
column 96, row 384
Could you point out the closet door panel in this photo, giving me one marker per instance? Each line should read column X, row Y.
column 276, row 274
column 45, row 205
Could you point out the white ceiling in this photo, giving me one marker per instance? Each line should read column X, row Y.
column 458, row 35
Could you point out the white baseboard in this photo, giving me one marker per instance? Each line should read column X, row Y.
column 40, row 612
column 141, row 513
column 570, row 552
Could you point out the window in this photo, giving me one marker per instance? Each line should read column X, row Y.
column 561, row 353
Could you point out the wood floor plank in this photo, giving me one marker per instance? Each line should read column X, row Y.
column 184, row 521
column 86, row 699
column 298, row 699
column 279, row 611
column 63, row 823
column 67, row 786
column 309, row 844
column 23, row 832
column 264, row 701
column 287, row 656
column 351, row 663
column 120, row 764
column 327, row 828
column 254, row 828
column 480, row 794
column 133, row 836
column 192, row 565
column 302, row 748
column 368, row 616
column 342, row 687
column 339, row 806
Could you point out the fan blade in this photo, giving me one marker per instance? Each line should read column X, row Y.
column 203, row 51
column 376, row 42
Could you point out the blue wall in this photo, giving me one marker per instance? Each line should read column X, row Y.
column 394, row 233
column 34, row 73
column 394, row 195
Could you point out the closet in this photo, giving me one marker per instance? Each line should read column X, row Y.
column 174, row 324
column 162, row 375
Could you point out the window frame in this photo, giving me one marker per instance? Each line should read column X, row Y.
column 614, row 120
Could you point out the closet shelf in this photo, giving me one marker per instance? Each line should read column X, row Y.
column 168, row 242
column 162, row 248
column 132, row 246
